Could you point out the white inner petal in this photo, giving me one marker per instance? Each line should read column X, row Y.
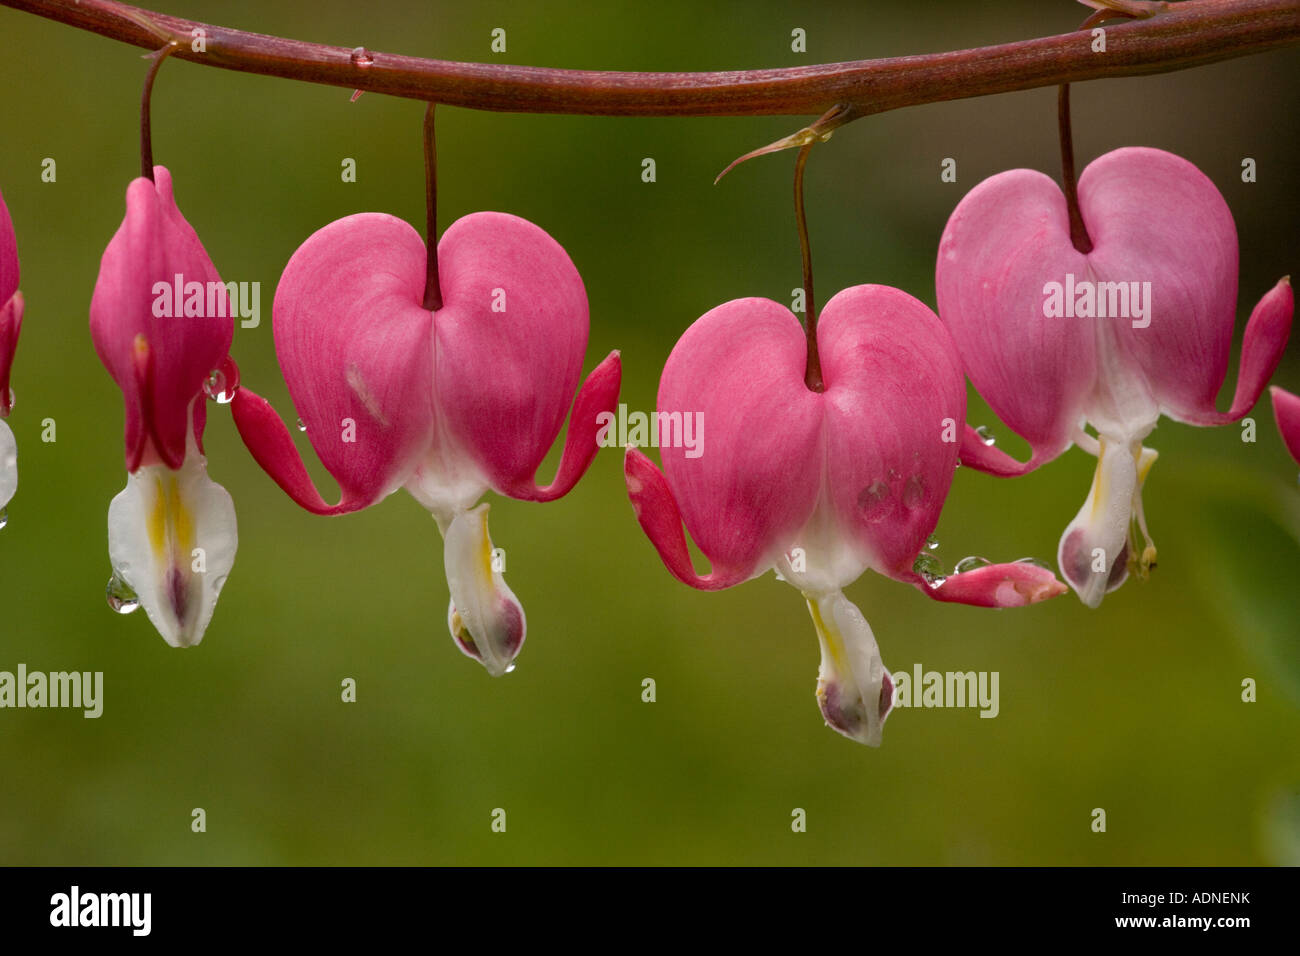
column 822, row 557
column 172, row 536
column 485, row 618
column 446, row 483
column 8, row 464
column 1093, row 550
column 852, row 676
column 1121, row 404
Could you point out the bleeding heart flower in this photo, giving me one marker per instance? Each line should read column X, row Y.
column 445, row 403
column 1055, row 338
column 161, row 323
column 11, row 321
column 1286, row 409
column 819, row 485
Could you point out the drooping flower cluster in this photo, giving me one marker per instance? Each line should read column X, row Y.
column 448, row 369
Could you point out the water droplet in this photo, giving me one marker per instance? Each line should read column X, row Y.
column 970, row 564
column 1034, row 561
column 121, row 597
column 302, row 426
column 929, row 568
column 510, row 667
column 4, row 517
column 874, row 502
column 986, row 436
column 932, row 542
column 222, row 383
column 215, row 386
column 914, row 492
column 11, row 399
column 361, row 57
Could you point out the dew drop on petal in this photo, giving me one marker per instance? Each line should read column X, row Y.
column 510, row 667
column 222, row 383
column 1034, row 561
column 11, row 399
column 986, row 436
column 121, row 597
column 302, row 426
column 929, row 568
column 4, row 517
column 874, row 502
column 214, row 385
column 913, row 492
column 970, row 564
column 932, row 543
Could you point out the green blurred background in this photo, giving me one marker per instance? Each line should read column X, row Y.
column 1134, row 707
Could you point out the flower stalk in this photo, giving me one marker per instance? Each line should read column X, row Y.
column 1181, row 35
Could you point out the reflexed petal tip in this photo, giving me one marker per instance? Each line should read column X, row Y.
column 660, row 519
column 599, row 393
column 1286, row 409
column 1014, row 584
column 172, row 537
column 268, row 440
column 1262, row 346
column 976, row 453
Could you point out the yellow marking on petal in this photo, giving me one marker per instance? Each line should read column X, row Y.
column 1098, row 479
column 170, row 525
column 158, row 519
column 485, row 551
column 832, row 638
column 1144, row 458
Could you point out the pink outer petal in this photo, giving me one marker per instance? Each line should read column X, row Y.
column 11, row 323
column 355, row 346
column 994, row 585
column 11, row 303
column 1008, row 237
column 739, row 369
column 990, row 459
column 657, row 512
column 8, row 255
column 1154, row 217
column 599, row 393
column 511, row 339
column 154, row 244
column 894, row 391
column 271, row 446
column 1286, row 409
column 1267, row 332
